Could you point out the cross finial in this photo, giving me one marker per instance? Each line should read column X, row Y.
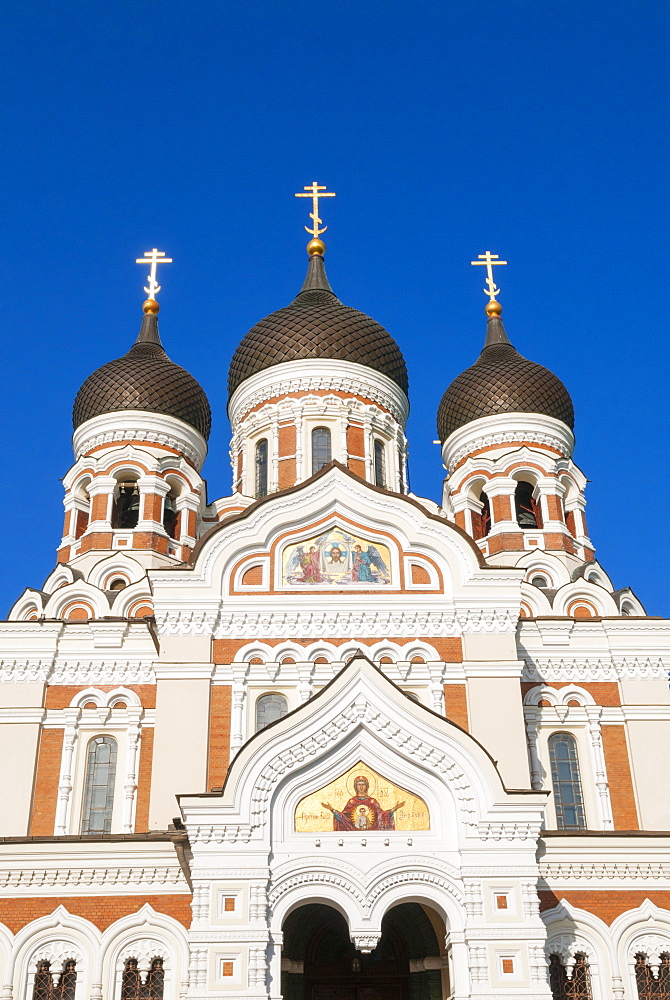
column 153, row 257
column 315, row 191
column 490, row 260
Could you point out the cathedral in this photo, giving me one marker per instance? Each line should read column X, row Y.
column 322, row 738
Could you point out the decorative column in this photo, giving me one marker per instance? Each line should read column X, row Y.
column 152, row 492
column 101, row 491
column 532, row 728
column 273, row 484
column 67, row 759
column 130, row 783
column 240, row 672
column 593, row 714
column 299, row 449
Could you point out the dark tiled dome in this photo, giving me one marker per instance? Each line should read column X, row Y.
column 317, row 325
column 144, row 379
column 502, row 381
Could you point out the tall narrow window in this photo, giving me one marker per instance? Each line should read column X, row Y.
column 650, row 986
column 481, row 521
column 527, row 511
column 568, row 799
column 45, row 988
column 170, row 515
column 380, row 464
column 126, row 512
column 269, row 708
column 577, row 987
column 321, row 449
column 132, row 987
column 99, row 786
column 262, row 468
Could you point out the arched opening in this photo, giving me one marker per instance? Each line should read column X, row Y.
column 566, row 781
column 126, row 511
column 527, row 510
column 171, row 514
column 270, row 708
column 99, row 785
column 321, row 448
column 262, row 468
column 320, row 961
column 481, row 521
column 380, row 464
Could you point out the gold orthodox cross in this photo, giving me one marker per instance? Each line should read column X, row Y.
column 490, row 260
column 315, row 191
column 153, row 257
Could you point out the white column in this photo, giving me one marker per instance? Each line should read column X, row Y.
column 593, row 713
column 273, row 485
column 67, row 760
column 104, row 485
column 151, row 486
column 130, row 783
column 240, row 672
column 532, row 719
column 299, row 443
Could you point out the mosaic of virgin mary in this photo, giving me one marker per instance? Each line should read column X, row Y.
column 362, row 812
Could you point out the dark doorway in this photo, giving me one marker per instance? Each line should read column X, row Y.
column 320, row 962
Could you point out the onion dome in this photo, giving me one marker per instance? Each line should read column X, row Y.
column 315, row 326
column 502, row 381
column 144, row 379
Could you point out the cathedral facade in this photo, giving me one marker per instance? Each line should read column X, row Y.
column 323, row 739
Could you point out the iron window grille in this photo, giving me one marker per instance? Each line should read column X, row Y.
column 45, row 988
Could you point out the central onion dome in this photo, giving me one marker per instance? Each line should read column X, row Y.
column 316, row 325
column 502, row 381
column 144, row 379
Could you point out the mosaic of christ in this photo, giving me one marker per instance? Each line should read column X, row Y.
column 337, row 559
column 361, row 800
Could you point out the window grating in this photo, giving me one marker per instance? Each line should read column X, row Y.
column 650, row 986
column 99, row 785
column 565, row 779
column 262, row 468
column 321, row 448
column 576, row 987
column 132, row 987
column 269, row 708
column 45, row 988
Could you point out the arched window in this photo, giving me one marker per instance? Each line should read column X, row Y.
column 262, row 468
column 170, row 515
column 539, row 581
column 578, row 987
column 650, row 986
column 321, row 449
column 44, row 987
column 132, row 987
column 269, row 708
column 380, row 464
column 565, row 779
column 126, row 511
column 99, row 785
column 527, row 511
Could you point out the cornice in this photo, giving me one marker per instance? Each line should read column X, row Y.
column 320, row 375
column 507, row 428
column 140, row 425
column 593, row 668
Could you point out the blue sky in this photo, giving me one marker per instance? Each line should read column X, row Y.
column 538, row 130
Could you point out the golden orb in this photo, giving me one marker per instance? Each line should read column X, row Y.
column 316, row 248
column 493, row 308
column 150, row 306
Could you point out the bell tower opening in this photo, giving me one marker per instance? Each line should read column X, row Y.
column 320, row 961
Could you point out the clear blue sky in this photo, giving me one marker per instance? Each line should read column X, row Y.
column 538, row 130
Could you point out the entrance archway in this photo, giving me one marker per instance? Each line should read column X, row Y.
column 320, row 962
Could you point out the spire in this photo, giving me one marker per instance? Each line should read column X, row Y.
column 495, row 331
column 316, row 278
column 149, row 329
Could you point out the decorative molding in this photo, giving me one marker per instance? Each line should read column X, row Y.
column 651, row 945
column 140, row 425
column 540, row 669
column 339, row 624
column 98, row 877
column 317, row 375
column 366, row 942
column 507, row 428
column 604, row 870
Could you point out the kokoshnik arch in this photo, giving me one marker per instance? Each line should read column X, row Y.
column 323, row 738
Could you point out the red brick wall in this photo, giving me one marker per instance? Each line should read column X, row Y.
column 619, row 778
column 144, row 781
column 45, row 794
column 604, row 904
column 355, row 441
column 502, row 508
column 219, row 734
column 100, row 910
column 61, row 695
column 603, row 692
column 286, row 440
column 456, row 704
column 450, row 649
